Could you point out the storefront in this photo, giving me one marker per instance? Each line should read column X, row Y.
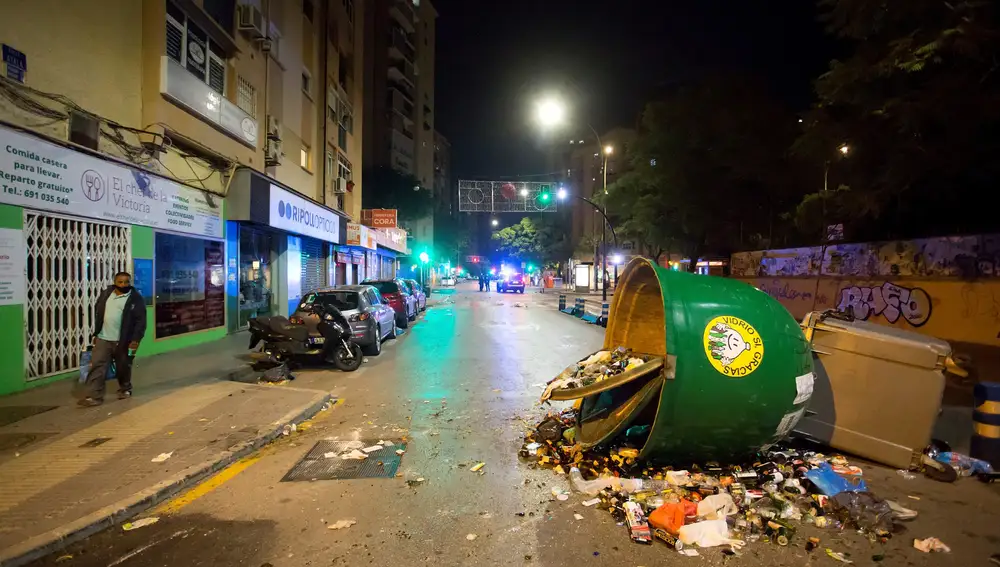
column 361, row 241
column 69, row 221
column 391, row 244
column 281, row 245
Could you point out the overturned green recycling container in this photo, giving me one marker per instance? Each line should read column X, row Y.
column 729, row 369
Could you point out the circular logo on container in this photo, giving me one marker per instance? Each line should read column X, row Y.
column 733, row 346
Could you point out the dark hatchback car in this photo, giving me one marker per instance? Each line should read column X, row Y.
column 372, row 319
column 418, row 292
column 397, row 294
column 511, row 282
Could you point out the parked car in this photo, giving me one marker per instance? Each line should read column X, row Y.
column 511, row 282
column 397, row 294
column 448, row 282
column 372, row 319
column 418, row 292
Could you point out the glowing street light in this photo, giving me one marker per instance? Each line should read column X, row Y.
column 561, row 193
column 495, row 222
column 550, row 112
column 524, row 192
column 609, row 149
column 844, row 149
column 616, row 259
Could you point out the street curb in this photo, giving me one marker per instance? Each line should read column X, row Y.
column 43, row 544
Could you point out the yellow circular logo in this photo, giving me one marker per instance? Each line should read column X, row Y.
column 733, row 346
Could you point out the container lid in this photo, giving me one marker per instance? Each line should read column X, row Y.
column 873, row 339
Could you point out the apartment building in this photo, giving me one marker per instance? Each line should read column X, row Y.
column 210, row 147
column 399, row 82
column 445, row 195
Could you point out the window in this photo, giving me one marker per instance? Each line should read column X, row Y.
column 304, row 158
column 308, row 9
column 190, row 46
column 342, row 137
column 246, row 96
column 223, row 12
column 189, row 290
column 330, row 169
column 349, row 7
column 274, row 34
column 346, row 114
column 343, row 167
column 306, row 83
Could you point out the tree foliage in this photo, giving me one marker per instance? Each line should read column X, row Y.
column 387, row 188
column 544, row 241
column 709, row 164
column 918, row 101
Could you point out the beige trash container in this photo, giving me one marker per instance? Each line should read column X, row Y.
column 878, row 389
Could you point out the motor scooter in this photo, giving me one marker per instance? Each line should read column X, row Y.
column 288, row 339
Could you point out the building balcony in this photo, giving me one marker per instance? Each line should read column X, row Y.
column 400, row 105
column 187, row 91
column 401, row 143
column 400, row 46
column 403, row 126
column 402, row 88
column 402, row 71
column 402, row 12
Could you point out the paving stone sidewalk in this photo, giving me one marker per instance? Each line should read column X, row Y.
column 66, row 472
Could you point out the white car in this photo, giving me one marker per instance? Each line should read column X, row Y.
column 448, row 282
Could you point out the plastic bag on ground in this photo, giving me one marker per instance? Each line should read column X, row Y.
column 709, row 533
column 863, row 509
column 830, row 483
column 717, row 506
column 669, row 517
column 628, row 485
column 967, row 466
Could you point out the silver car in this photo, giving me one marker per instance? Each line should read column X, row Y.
column 372, row 319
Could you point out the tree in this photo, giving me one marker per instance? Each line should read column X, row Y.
column 519, row 241
column 917, row 102
column 387, row 188
column 708, row 166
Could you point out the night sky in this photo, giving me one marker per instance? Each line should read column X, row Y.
column 605, row 59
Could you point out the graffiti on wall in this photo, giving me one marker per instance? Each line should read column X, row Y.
column 888, row 300
column 965, row 257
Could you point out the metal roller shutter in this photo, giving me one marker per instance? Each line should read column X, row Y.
column 313, row 265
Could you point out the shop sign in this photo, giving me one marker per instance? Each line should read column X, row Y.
column 358, row 258
column 300, row 215
column 391, row 238
column 360, row 235
column 42, row 175
column 380, row 218
column 343, row 257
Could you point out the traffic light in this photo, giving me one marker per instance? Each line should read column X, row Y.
column 544, row 195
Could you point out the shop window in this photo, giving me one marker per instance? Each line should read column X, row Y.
column 256, row 255
column 190, row 46
column 190, row 285
column 246, row 96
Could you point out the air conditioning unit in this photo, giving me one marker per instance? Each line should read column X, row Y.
column 272, row 153
column 251, row 21
column 273, row 128
column 266, row 45
column 340, row 185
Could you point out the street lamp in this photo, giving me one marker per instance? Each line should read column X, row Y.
column 424, row 258
column 552, row 112
column 844, row 150
column 524, row 192
column 495, row 222
column 561, row 193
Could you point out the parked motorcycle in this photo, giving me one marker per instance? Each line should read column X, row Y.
column 285, row 340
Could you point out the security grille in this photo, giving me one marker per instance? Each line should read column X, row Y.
column 69, row 263
column 313, row 265
column 506, row 197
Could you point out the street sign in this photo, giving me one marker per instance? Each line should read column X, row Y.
column 15, row 63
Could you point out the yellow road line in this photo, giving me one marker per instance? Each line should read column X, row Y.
column 223, row 476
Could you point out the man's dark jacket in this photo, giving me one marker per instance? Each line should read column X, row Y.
column 133, row 317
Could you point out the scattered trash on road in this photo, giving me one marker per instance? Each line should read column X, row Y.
column 355, row 454
column 330, row 455
column 470, row 537
column 372, row 449
column 162, row 457
column 578, row 516
column 288, row 429
column 341, row 524
column 838, row 556
column 476, row 467
column 906, row 474
column 560, row 493
column 592, row 502
column 931, row 544
column 400, row 451
column 129, row 526
column 598, row 367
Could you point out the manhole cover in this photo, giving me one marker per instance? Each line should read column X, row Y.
column 315, row 466
column 95, row 442
column 15, row 441
column 11, row 414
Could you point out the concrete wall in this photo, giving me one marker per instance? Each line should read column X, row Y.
column 942, row 287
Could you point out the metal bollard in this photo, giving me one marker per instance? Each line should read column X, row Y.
column 986, row 423
column 579, row 307
column 562, row 302
column 603, row 320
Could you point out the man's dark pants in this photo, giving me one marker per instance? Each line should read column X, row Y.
column 100, row 359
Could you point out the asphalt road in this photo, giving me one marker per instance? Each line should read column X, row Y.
column 461, row 386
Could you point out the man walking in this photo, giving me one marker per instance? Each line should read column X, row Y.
column 120, row 323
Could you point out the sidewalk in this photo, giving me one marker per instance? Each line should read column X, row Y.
column 67, row 472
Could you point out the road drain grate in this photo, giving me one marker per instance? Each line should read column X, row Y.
column 382, row 463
